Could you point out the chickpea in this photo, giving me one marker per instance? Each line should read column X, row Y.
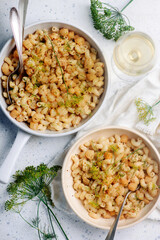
column 91, row 76
column 71, row 35
column 119, row 200
column 99, row 71
column 140, row 195
column 88, row 63
column 80, row 40
column 20, row 118
column 8, row 60
column 124, row 138
column 108, row 155
column 124, row 181
column 89, row 154
column 15, row 54
column 14, row 113
column 132, row 186
column 63, row 32
column 33, row 125
column 5, row 69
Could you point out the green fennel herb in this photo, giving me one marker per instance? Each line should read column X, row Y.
column 145, row 111
column 109, row 20
column 57, row 61
column 94, row 204
column 33, row 184
column 67, row 47
column 113, row 148
column 72, row 100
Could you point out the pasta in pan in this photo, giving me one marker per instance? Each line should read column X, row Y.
column 105, row 170
column 54, row 95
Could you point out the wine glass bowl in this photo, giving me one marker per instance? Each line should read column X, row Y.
column 134, row 56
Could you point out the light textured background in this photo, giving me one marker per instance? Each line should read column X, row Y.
column 144, row 16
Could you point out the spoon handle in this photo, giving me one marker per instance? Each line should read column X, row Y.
column 113, row 228
column 17, row 33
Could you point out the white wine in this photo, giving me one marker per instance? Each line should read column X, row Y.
column 134, row 54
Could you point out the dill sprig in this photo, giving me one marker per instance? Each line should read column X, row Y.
column 109, row 20
column 33, row 184
column 145, row 111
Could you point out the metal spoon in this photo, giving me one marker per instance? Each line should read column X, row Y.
column 17, row 24
column 113, row 228
column 17, row 33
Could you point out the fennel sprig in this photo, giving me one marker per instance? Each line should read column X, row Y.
column 145, row 111
column 72, row 99
column 33, row 184
column 57, row 60
column 109, row 20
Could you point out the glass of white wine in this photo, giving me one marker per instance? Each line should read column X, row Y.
column 134, row 56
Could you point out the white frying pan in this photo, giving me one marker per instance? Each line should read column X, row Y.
column 25, row 132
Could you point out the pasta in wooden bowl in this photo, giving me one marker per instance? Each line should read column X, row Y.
column 102, row 167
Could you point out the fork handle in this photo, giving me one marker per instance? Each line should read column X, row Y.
column 113, row 228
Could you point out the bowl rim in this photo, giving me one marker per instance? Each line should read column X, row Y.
column 67, row 160
column 76, row 129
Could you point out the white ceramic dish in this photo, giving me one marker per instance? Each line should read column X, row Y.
column 26, row 132
column 47, row 25
column 67, row 180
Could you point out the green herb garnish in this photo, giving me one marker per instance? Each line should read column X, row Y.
column 145, row 111
column 121, row 174
column 35, row 57
column 100, row 155
column 95, row 172
column 67, row 47
column 113, row 148
column 154, row 186
column 135, row 167
column 33, row 184
column 41, row 62
column 79, row 63
column 109, row 20
column 61, row 104
column 37, row 84
column 94, row 204
column 57, row 61
column 73, row 101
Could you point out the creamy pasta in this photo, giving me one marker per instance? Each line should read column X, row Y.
column 105, row 170
column 50, row 95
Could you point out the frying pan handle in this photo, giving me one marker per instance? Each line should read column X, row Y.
column 9, row 162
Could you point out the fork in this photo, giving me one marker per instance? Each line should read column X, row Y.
column 113, row 228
